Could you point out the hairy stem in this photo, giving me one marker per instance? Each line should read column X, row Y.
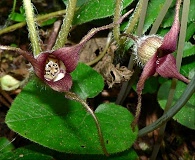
column 66, row 25
column 73, row 96
column 117, row 13
column 34, row 37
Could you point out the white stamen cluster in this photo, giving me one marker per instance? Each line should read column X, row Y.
column 54, row 69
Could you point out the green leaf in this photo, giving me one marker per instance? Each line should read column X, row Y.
column 130, row 154
column 47, row 118
column 190, row 31
column 87, row 82
column 188, row 66
column 189, row 49
column 186, row 115
column 48, row 22
column 39, row 150
column 191, row 15
column 17, row 17
column 96, row 9
column 153, row 10
column 151, row 85
column 24, row 154
column 5, row 145
column 79, row 2
column 168, row 19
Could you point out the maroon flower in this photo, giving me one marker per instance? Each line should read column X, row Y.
column 54, row 67
column 154, row 53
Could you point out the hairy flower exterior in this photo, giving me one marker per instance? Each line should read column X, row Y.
column 146, row 47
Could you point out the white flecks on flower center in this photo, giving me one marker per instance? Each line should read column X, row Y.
column 54, row 69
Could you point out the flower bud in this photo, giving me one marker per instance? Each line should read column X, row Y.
column 9, row 83
column 145, row 47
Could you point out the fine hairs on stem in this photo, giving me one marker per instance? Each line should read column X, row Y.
column 66, row 25
column 33, row 33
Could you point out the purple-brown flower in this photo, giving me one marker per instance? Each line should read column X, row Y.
column 54, row 67
column 154, row 53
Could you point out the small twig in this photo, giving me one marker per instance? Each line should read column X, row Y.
column 3, row 101
column 8, row 98
column 101, row 55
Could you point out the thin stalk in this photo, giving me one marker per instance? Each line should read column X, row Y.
column 73, row 96
column 174, row 81
column 126, row 86
column 132, row 22
column 181, row 42
column 34, row 37
column 189, row 91
column 157, row 145
column 39, row 18
column 135, row 17
column 66, row 25
column 14, row 6
column 160, row 17
column 117, row 13
column 142, row 17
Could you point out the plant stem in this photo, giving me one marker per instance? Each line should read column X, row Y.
column 37, row 19
column 117, row 13
column 66, row 25
column 126, row 86
column 101, row 55
column 34, row 37
column 143, row 3
column 75, row 97
column 136, row 16
column 184, row 20
column 189, row 91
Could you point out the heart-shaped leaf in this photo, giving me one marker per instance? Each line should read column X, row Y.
column 186, row 115
column 96, row 9
column 87, row 83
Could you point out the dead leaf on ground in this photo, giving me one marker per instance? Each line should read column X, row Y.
column 112, row 74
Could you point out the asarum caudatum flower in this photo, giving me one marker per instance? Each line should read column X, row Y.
column 154, row 54
column 54, row 67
